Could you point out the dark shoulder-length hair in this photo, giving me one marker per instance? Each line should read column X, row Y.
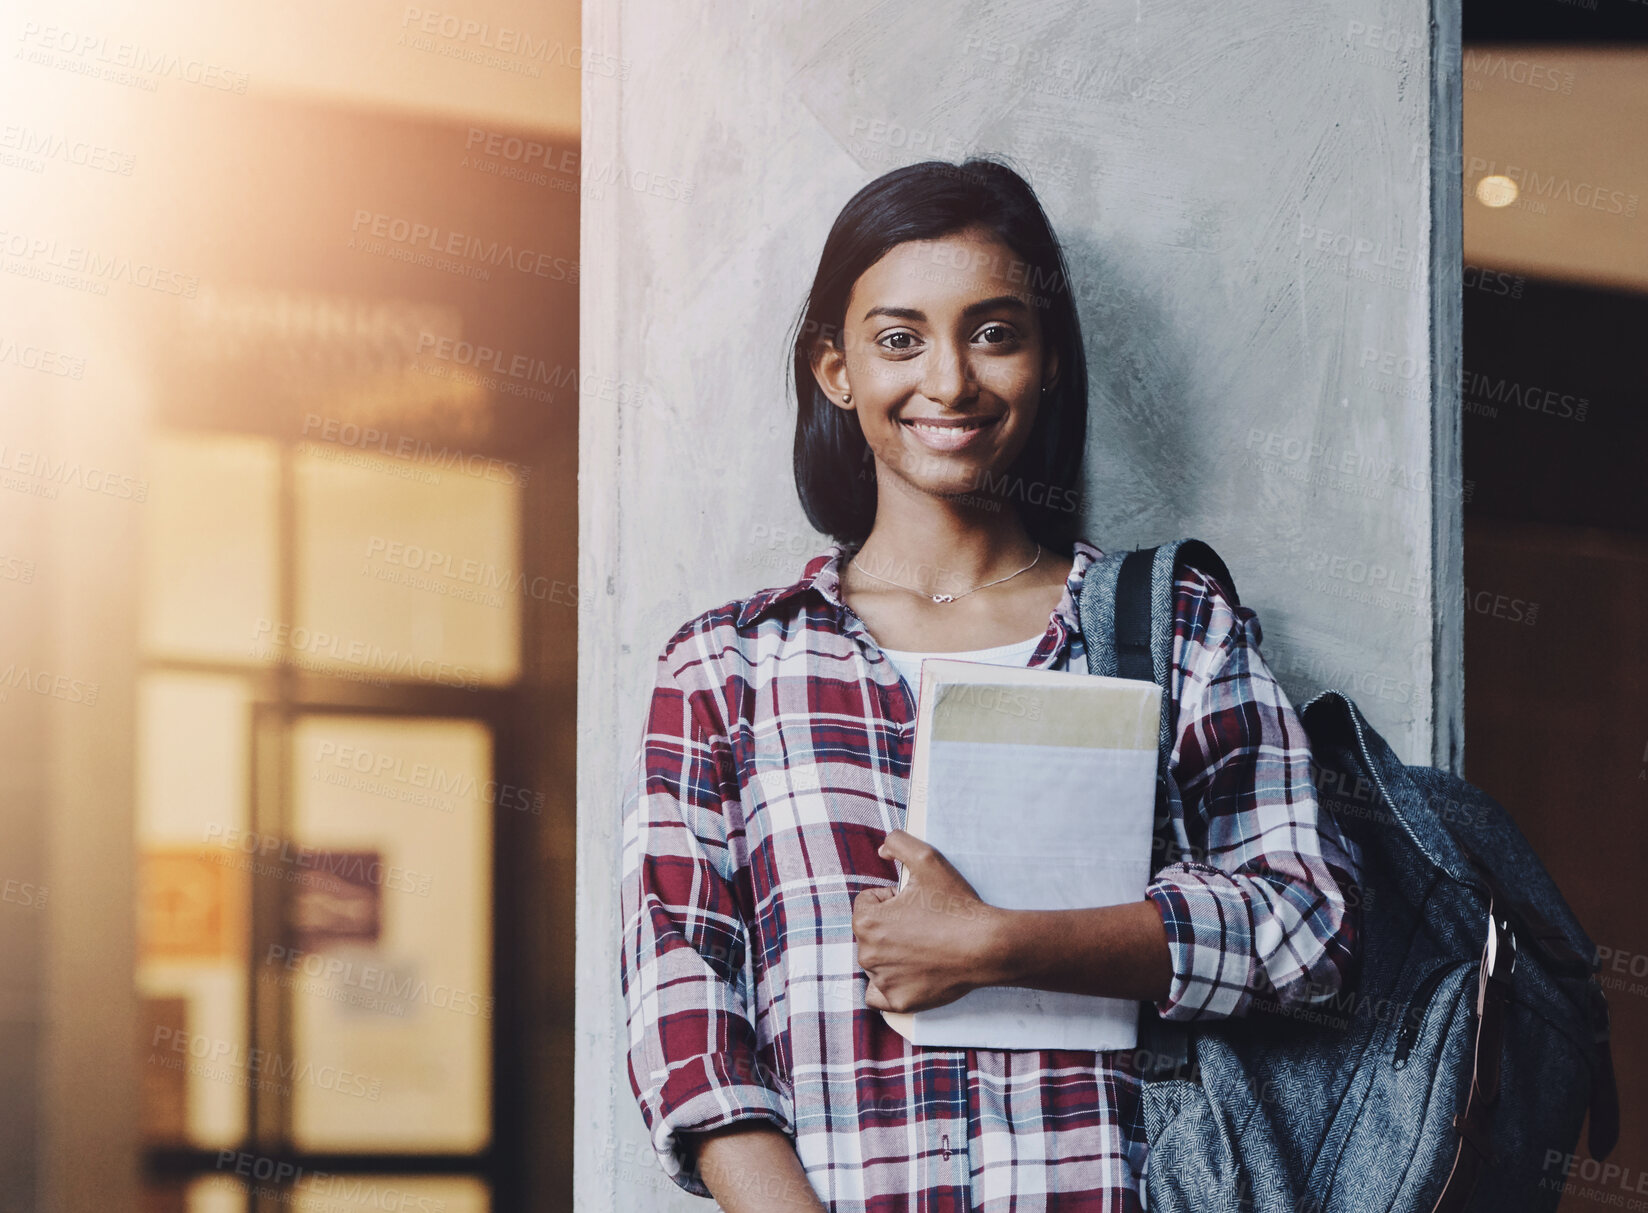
column 834, row 470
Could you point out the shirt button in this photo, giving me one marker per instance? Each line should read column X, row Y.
column 946, row 1143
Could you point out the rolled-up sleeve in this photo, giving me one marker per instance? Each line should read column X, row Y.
column 1266, row 905
column 692, row 1055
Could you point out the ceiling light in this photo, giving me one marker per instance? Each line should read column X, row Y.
column 1496, row 191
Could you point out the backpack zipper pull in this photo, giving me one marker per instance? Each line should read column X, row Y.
column 1413, row 1016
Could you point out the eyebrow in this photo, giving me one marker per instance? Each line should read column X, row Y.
column 972, row 309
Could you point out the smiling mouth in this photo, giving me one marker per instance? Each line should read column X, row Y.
column 950, row 425
column 948, row 434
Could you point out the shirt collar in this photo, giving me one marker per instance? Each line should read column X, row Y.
column 822, row 576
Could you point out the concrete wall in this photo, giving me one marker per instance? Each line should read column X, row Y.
column 1254, row 198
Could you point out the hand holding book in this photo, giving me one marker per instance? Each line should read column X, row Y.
column 1028, row 842
column 935, row 940
column 926, row 944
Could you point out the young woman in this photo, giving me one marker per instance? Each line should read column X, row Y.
column 942, row 396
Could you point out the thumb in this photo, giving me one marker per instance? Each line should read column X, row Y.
column 905, row 847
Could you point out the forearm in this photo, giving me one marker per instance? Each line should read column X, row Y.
column 751, row 1166
column 1112, row 951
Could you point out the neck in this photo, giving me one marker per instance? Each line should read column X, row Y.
column 942, row 546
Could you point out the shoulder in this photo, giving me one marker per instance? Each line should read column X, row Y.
column 1208, row 616
column 700, row 645
column 729, row 640
column 692, row 667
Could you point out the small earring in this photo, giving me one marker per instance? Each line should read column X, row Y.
column 847, row 397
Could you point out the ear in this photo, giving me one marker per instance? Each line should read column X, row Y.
column 829, row 363
column 1050, row 369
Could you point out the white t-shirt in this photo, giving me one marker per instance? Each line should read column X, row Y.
column 908, row 661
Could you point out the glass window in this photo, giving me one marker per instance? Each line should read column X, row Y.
column 408, row 567
column 193, row 912
column 369, row 1193
column 389, row 935
column 217, row 1194
column 210, row 566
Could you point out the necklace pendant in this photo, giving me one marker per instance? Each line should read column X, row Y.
column 944, row 597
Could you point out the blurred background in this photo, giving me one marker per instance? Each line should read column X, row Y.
column 1555, row 428
column 288, row 345
column 288, row 436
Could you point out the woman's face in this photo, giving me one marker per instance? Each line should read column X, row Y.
column 944, row 359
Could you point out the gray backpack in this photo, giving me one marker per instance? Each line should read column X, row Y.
column 1455, row 1070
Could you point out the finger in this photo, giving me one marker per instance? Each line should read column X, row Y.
column 867, row 901
column 874, row 896
column 925, row 862
column 904, row 847
column 875, row 999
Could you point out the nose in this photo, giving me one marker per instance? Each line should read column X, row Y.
column 947, row 377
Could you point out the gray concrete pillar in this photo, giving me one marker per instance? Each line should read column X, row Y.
column 1261, row 207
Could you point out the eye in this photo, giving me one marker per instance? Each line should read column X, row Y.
column 996, row 333
column 886, row 340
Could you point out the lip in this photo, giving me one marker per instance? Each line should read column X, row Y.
column 949, row 433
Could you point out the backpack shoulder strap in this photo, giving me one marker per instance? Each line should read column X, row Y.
column 1126, row 613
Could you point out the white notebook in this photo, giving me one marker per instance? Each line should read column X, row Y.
column 1039, row 786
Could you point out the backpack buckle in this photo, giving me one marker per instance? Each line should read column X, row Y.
column 1499, row 959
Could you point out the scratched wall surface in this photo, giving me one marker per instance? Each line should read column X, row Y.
column 1255, row 200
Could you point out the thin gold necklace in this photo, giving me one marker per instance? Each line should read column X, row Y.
column 948, row 597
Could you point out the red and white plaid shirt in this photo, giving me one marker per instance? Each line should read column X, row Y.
column 776, row 759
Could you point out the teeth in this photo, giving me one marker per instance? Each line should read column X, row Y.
column 945, row 429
